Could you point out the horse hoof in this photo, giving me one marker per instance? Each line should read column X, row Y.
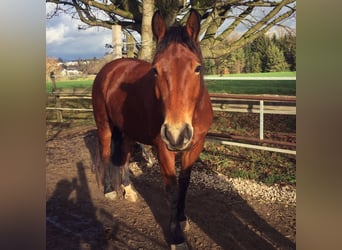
column 184, row 225
column 182, row 246
column 111, row 195
column 130, row 194
column 150, row 164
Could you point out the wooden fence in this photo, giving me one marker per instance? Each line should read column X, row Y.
column 262, row 104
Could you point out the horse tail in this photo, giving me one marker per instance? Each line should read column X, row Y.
column 116, row 142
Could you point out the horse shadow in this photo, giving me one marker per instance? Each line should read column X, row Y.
column 226, row 218
column 72, row 219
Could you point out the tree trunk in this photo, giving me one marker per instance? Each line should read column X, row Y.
column 146, row 31
column 169, row 10
column 130, row 45
column 117, row 41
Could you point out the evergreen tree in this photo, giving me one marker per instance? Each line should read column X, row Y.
column 209, row 67
column 236, row 61
column 273, row 53
column 255, row 62
column 275, row 59
column 287, row 44
column 252, row 60
column 260, row 46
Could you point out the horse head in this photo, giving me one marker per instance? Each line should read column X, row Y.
column 177, row 66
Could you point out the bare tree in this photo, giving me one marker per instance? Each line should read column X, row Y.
column 52, row 66
column 249, row 19
column 146, row 31
column 220, row 18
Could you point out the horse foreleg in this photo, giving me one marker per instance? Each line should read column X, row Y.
column 173, row 198
column 167, row 166
column 188, row 159
column 183, row 183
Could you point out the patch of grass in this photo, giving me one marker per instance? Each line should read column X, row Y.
column 272, row 87
column 267, row 74
column 81, row 83
column 262, row 166
column 276, row 87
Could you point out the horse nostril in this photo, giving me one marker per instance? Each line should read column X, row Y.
column 168, row 135
column 186, row 134
column 176, row 138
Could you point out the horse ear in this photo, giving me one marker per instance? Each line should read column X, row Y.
column 158, row 26
column 193, row 24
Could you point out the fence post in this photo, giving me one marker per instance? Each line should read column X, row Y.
column 59, row 113
column 261, row 113
column 57, row 99
column 130, row 45
column 53, row 80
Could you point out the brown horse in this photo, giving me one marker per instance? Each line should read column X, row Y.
column 165, row 104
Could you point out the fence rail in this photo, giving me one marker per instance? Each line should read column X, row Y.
column 262, row 104
column 272, row 104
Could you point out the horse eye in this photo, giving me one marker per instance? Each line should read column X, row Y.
column 198, row 69
column 155, row 72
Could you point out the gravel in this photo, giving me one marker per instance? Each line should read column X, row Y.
column 243, row 187
column 275, row 193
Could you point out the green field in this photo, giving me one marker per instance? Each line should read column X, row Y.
column 268, row 74
column 274, row 87
column 70, row 84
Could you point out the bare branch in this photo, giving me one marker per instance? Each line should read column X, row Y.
column 236, row 22
column 244, row 39
column 248, row 13
column 253, row 17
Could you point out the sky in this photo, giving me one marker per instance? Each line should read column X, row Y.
column 65, row 41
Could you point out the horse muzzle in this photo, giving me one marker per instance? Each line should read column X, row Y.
column 177, row 138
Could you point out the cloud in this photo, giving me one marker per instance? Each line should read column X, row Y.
column 56, row 34
column 64, row 39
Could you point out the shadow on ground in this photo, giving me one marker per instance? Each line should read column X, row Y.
column 226, row 218
column 80, row 218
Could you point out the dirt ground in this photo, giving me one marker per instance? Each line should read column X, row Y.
column 79, row 217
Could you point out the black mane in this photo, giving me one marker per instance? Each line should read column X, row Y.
column 177, row 34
